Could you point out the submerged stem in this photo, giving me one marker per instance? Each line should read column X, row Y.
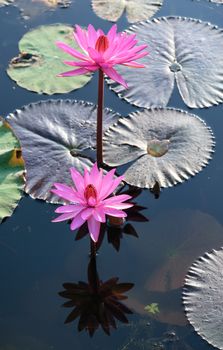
column 100, row 118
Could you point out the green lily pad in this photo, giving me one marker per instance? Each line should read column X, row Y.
column 136, row 10
column 152, row 308
column 56, row 135
column 164, row 145
column 40, row 61
column 11, row 171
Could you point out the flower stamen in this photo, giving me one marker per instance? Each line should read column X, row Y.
column 90, row 192
column 102, row 44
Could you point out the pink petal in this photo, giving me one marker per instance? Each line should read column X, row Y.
column 113, row 185
column 81, row 38
column 99, row 214
column 95, row 55
column 115, row 212
column 74, row 72
column 77, row 222
column 119, row 205
column 73, row 208
column 106, row 184
column 64, row 217
column 117, row 199
column 72, row 51
column 92, row 201
column 85, row 64
column 87, row 179
column 111, row 73
column 96, row 177
column 77, row 179
column 94, row 228
column 70, row 196
column 112, row 33
column 91, row 36
column 86, row 213
column 100, row 32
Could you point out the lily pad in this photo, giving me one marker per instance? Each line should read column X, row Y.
column 164, row 145
column 5, row 2
column 11, row 171
column 203, row 297
column 56, row 135
column 182, row 50
column 40, row 61
column 136, row 10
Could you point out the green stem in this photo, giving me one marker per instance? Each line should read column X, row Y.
column 100, row 118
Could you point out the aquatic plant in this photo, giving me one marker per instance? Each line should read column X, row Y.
column 102, row 52
column 89, row 199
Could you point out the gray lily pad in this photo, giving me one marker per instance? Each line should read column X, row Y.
column 203, row 297
column 5, row 2
column 40, row 61
column 182, row 50
column 136, row 10
column 164, row 145
column 11, row 171
column 56, row 135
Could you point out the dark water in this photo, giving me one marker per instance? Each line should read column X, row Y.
column 37, row 257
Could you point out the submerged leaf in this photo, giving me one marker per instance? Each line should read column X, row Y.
column 56, row 135
column 182, row 50
column 136, row 10
column 40, row 61
column 32, row 8
column 189, row 235
column 164, row 145
column 11, row 171
column 203, row 297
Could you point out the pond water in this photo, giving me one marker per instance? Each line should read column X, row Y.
column 37, row 256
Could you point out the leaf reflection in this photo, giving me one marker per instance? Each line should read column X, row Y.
column 116, row 228
column 96, row 303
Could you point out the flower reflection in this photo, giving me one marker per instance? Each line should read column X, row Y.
column 116, row 228
column 96, row 303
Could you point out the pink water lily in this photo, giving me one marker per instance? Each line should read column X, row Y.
column 90, row 199
column 103, row 52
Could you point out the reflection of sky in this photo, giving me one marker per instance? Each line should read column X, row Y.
column 37, row 256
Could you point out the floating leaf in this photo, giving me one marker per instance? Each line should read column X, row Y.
column 184, row 50
column 152, row 308
column 40, row 61
column 11, row 171
column 136, row 10
column 165, row 145
column 56, row 135
column 5, row 2
column 203, row 297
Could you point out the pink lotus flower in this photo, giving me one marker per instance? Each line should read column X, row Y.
column 89, row 199
column 103, row 52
